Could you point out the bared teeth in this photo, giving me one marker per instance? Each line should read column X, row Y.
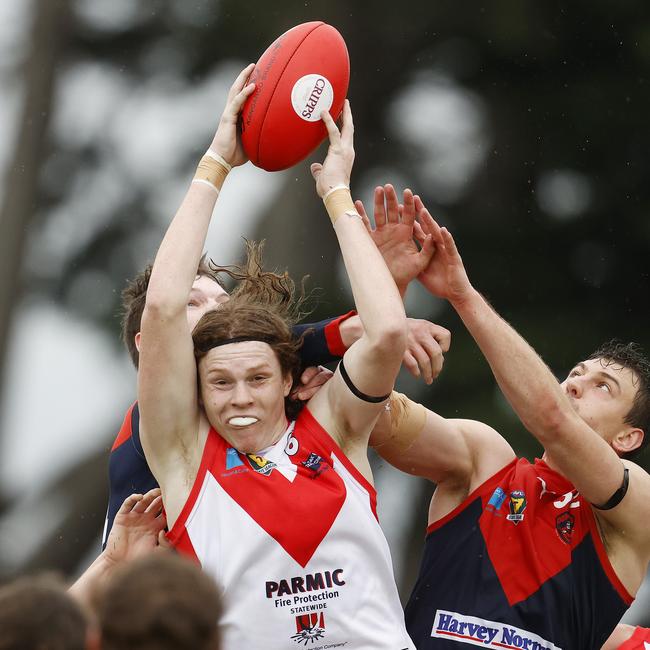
column 242, row 421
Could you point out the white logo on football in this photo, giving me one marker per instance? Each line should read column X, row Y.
column 311, row 95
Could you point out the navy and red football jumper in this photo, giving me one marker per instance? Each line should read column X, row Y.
column 128, row 471
column 518, row 564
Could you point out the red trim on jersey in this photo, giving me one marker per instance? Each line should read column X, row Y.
column 636, row 641
column 209, row 451
column 604, row 560
column 486, row 485
column 332, row 333
column 184, row 546
column 125, row 430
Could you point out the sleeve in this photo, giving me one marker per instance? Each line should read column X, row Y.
column 322, row 342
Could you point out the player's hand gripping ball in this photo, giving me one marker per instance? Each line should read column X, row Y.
column 304, row 72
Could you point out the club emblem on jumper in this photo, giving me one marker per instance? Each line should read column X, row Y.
column 309, row 628
column 314, row 463
column 517, row 506
column 232, row 458
column 260, row 464
column 564, row 526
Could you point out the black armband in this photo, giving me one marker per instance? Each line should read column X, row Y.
column 356, row 391
column 617, row 497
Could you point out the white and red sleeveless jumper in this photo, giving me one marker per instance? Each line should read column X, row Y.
column 292, row 539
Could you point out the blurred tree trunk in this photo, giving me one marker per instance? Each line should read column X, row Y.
column 49, row 30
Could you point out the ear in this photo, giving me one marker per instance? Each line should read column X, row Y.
column 137, row 341
column 628, row 440
column 287, row 384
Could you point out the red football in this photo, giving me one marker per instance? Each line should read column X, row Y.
column 305, row 71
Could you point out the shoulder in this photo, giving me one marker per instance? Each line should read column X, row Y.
column 487, row 449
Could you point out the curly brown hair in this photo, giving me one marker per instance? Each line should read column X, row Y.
column 263, row 307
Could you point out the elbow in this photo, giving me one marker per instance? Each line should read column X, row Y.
column 161, row 305
column 391, row 339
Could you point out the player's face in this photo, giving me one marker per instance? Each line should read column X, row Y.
column 206, row 295
column 602, row 393
column 243, row 391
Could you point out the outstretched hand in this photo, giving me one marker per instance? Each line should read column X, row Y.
column 396, row 227
column 336, row 169
column 425, row 348
column 226, row 141
column 138, row 529
column 445, row 275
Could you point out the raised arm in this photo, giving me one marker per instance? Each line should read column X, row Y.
column 373, row 361
column 542, row 404
column 167, row 386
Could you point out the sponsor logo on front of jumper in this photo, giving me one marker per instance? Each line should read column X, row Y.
column 309, row 628
column 306, row 597
column 260, row 464
column 232, row 458
column 487, row 634
column 517, row 506
column 496, row 501
column 314, row 463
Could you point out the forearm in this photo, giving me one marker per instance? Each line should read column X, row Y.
column 174, row 268
column 350, row 330
column 376, row 297
column 91, row 580
column 526, row 381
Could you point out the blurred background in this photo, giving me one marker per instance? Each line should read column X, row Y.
column 523, row 126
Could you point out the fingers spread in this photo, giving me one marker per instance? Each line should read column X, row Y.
column 408, row 209
column 155, row 506
column 380, row 212
column 392, row 204
column 129, row 503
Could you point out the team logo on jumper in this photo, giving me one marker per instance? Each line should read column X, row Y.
column 314, row 463
column 487, row 634
column 564, row 526
column 517, row 506
column 232, row 458
column 260, row 464
column 496, row 500
column 309, row 628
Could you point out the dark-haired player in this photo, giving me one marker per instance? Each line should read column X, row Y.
column 520, row 555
